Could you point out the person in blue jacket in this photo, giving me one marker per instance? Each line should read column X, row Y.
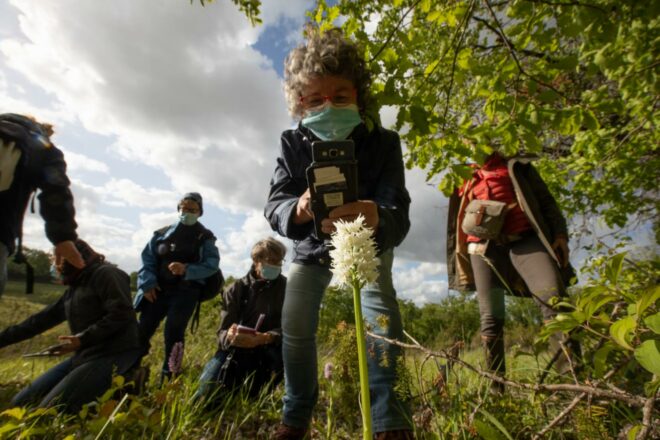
column 327, row 88
column 175, row 263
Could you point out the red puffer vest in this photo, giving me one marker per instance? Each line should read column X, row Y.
column 492, row 182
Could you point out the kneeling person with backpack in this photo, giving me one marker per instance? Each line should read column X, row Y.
column 177, row 263
column 250, row 333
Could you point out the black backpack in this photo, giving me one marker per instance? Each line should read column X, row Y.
column 213, row 283
column 30, row 139
column 212, row 286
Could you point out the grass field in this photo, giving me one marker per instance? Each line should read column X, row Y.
column 461, row 407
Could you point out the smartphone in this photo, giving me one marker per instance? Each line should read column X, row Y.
column 331, row 178
column 249, row 330
column 246, row 330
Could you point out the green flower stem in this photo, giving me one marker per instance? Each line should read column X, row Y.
column 362, row 363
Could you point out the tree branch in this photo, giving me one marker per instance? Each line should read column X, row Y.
column 497, row 29
column 566, row 411
column 453, row 63
column 628, row 398
column 570, row 3
column 647, row 418
column 391, row 35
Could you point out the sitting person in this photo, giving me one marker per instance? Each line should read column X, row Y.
column 255, row 298
column 103, row 339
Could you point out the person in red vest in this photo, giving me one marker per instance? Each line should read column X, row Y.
column 529, row 256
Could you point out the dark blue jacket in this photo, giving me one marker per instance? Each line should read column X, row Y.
column 380, row 178
column 41, row 166
column 208, row 264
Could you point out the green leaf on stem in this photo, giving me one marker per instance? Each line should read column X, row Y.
column 648, row 355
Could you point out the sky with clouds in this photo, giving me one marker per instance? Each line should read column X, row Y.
column 152, row 99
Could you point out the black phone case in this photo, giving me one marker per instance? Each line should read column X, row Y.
column 336, row 161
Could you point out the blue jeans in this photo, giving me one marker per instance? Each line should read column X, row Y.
column 305, row 287
column 261, row 366
column 4, row 255
column 176, row 307
column 72, row 385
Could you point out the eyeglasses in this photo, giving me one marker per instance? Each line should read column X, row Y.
column 340, row 99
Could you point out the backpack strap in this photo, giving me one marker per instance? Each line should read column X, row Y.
column 25, row 133
column 203, row 235
column 19, row 258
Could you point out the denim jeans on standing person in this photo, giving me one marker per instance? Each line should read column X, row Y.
column 74, row 385
column 176, row 307
column 305, row 287
column 4, row 255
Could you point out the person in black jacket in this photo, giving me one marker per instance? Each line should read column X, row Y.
column 29, row 160
column 251, row 301
column 327, row 88
column 103, row 338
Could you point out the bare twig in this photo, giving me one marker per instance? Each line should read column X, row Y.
column 391, row 35
column 457, row 49
column 566, row 411
column 512, row 50
column 630, row 399
column 560, row 416
column 569, row 3
column 647, row 418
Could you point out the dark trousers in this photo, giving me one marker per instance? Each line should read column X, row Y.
column 230, row 369
column 72, row 385
column 531, row 260
column 176, row 307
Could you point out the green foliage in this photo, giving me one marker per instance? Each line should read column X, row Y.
column 573, row 82
column 337, row 306
column 454, row 318
column 251, row 8
column 447, row 403
column 39, row 260
column 616, row 318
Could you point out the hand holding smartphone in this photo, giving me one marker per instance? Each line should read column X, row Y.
column 242, row 329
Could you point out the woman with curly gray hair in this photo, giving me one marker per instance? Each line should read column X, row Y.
column 327, row 88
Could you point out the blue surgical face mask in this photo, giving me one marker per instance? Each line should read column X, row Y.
column 188, row 218
column 55, row 274
column 270, row 272
column 332, row 123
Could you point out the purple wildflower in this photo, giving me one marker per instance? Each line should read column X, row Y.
column 176, row 358
column 327, row 370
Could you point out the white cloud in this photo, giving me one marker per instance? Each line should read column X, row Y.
column 179, row 90
column 236, row 245
column 178, row 85
column 81, row 162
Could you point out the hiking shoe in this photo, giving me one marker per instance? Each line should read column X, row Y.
column 286, row 432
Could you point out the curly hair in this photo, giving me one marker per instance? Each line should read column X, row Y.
column 324, row 53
